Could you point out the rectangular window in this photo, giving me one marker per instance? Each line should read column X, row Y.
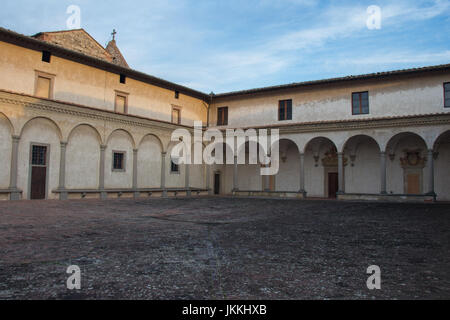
column 122, row 78
column 46, row 56
column 222, row 116
column 176, row 115
column 43, row 87
column 177, row 94
column 121, row 103
column 285, row 110
column 118, row 161
column 38, row 155
column 360, row 102
column 174, row 168
column 447, row 95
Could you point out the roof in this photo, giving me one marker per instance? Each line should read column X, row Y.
column 370, row 76
column 32, row 43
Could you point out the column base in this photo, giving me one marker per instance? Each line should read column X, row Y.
column 15, row 195
column 63, row 195
column 164, row 193
column 103, row 195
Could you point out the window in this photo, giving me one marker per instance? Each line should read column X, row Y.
column 118, row 161
column 285, row 110
column 177, row 94
column 122, row 78
column 121, row 103
column 447, row 95
column 360, row 102
column 46, row 56
column 176, row 115
column 38, row 155
column 222, row 116
column 174, row 168
column 44, row 85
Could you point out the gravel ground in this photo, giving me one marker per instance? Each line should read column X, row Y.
column 223, row 248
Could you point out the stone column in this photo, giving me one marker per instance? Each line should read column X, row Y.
column 135, row 173
column 302, row 174
column 208, row 178
column 101, row 179
column 62, row 172
column 431, row 173
column 14, row 192
column 341, row 173
column 235, row 174
column 186, row 179
column 163, row 173
column 383, row 172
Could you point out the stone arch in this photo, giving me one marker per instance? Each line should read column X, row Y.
column 44, row 132
column 124, row 131
column 288, row 176
column 58, row 129
column 441, row 154
column 363, row 172
column 149, row 162
column 83, row 157
column 6, row 132
column 320, row 154
column 406, row 154
column 100, row 140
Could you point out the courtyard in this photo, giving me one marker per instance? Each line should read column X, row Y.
column 223, row 248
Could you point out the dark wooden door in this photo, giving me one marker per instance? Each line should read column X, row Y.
column 217, row 183
column 38, row 172
column 333, row 184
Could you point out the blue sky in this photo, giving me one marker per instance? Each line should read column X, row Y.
column 227, row 45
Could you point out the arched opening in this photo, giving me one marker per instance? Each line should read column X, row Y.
column 321, row 178
column 39, row 157
column 119, row 160
column 6, row 132
column 288, row 176
column 362, row 175
column 83, row 158
column 149, row 162
column 441, row 166
column 407, row 159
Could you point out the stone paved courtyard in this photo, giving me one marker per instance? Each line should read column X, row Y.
column 223, row 248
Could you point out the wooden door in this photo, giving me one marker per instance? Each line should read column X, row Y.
column 333, row 184
column 38, row 183
column 217, row 183
column 413, row 181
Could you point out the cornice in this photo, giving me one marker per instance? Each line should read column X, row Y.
column 85, row 112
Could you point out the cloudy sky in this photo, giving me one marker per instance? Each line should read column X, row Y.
column 227, row 45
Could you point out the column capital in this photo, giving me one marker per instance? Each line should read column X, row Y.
column 63, row 144
column 15, row 138
column 163, row 153
column 103, row 147
column 135, row 150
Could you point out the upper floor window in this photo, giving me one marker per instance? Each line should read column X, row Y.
column 174, row 167
column 285, row 110
column 222, row 116
column 447, row 95
column 118, row 161
column 177, row 94
column 46, row 56
column 44, row 85
column 176, row 115
column 122, row 78
column 121, row 103
column 360, row 102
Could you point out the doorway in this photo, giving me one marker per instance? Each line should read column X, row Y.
column 38, row 171
column 333, row 184
column 217, row 183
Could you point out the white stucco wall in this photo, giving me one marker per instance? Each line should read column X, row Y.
column 5, row 151
column 149, row 163
column 119, row 141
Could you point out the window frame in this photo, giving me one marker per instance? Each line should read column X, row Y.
column 122, row 78
column 221, row 116
column 285, row 110
column 172, row 164
column 179, row 114
column 448, row 98
column 49, row 76
column 360, row 103
column 124, row 161
column 124, row 95
column 46, row 54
